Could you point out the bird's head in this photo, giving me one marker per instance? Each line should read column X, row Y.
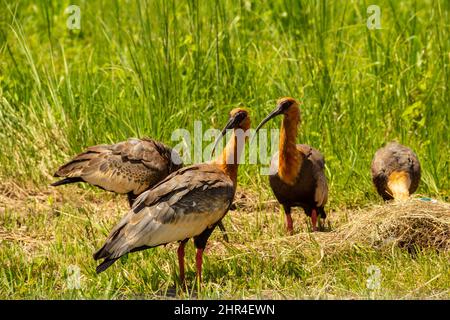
column 286, row 106
column 239, row 119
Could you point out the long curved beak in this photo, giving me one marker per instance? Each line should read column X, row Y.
column 271, row 115
column 231, row 124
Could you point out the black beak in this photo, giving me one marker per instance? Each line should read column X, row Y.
column 231, row 124
column 271, row 115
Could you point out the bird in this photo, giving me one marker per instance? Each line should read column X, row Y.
column 189, row 203
column 128, row 167
column 395, row 171
column 296, row 173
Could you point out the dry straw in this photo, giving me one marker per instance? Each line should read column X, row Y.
column 411, row 224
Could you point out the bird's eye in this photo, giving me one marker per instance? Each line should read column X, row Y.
column 241, row 115
column 286, row 104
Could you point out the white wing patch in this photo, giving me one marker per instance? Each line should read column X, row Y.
column 155, row 232
column 111, row 181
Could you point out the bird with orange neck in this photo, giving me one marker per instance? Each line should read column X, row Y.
column 395, row 171
column 296, row 175
column 188, row 203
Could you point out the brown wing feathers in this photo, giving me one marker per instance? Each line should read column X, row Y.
column 74, row 167
column 179, row 201
column 131, row 166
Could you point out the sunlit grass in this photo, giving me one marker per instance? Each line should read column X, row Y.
column 53, row 233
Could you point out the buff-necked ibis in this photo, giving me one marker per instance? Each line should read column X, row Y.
column 395, row 171
column 296, row 175
column 189, row 203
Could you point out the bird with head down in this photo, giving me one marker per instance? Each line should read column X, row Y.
column 395, row 171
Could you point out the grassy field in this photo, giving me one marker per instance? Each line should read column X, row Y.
column 146, row 68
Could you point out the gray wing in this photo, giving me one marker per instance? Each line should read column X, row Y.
column 318, row 161
column 183, row 206
column 130, row 166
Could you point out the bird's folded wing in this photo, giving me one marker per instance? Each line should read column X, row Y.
column 149, row 152
column 321, row 193
column 318, row 162
column 189, row 201
column 130, row 166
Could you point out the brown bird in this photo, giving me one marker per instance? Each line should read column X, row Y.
column 129, row 167
column 296, row 175
column 395, row 171
column 189, row 203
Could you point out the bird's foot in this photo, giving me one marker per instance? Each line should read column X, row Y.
column 322, row 225
column 289, row 224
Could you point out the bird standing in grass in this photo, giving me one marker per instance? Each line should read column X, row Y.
column 395, row 171
column 189, row 203
column 297, row 175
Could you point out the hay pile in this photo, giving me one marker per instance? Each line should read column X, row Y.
column 410, row 225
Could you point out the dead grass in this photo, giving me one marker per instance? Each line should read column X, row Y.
column 411, row 224
column 408, row 225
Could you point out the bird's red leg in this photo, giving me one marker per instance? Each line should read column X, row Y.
column 180, row 252
column 314, row 219
column 289, row 223
column 199, row 262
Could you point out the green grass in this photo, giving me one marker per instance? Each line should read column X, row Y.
column 146, row 68
column 48, row 233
